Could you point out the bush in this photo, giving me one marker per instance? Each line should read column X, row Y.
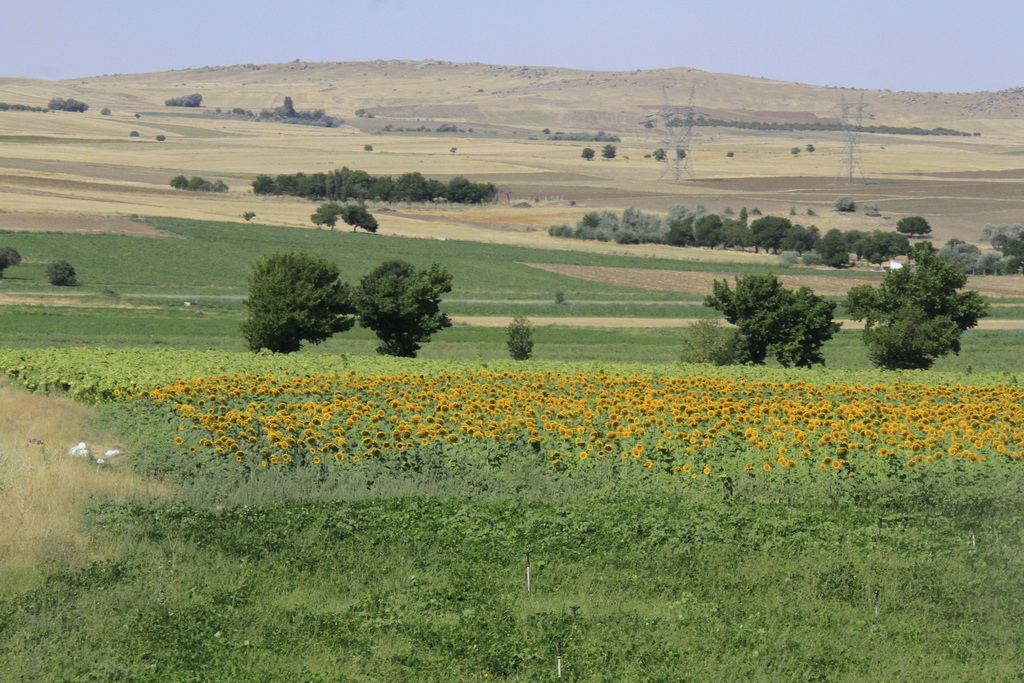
column 9, row 256
column 133, row 134
column 708, row 341
column 61, row 274
column 812, row 258
column 161, row 138
column 788, row 259
column 872, row 210
column 105, row 111
column 845, row 204
column 520, row 338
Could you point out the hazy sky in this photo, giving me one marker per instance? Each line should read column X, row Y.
column 942, row 45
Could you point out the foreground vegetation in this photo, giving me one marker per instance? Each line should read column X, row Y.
column 756, row 525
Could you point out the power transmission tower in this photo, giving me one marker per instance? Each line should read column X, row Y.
column 676, row 125
column 851, row 116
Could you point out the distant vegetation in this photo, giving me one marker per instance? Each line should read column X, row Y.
column 286, row 113
column 197, row 184
column 343, row 184
column 599, row 136
column 193, row 100
column 820, row 126
column 60, row 104
column 4, row 106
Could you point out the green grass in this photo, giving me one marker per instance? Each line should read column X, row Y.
column 432, row 587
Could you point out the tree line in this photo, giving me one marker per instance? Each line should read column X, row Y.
column 822, row 126
column 61, row 104
column 345, row 184
column 4, row 106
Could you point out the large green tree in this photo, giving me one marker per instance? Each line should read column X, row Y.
column 914, row 226
column 769, row 232
column 917, row 314
column 791, row 326
column 357, row 216
column 294, row 297
column 401, row 304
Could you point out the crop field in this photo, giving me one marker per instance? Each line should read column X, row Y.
column 357, row 517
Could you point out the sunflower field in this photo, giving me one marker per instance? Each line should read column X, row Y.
column 365, row 518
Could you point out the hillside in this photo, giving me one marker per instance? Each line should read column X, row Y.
column 517, row 95
column 84, row 171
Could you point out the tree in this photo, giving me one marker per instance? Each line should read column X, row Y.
column 769, row 231
column 588, row 153
column 794, row 151
column 916, row 315
column 248, row 215
column 294, row 297
column 9, row 256
column 520, row 338
column 810, row 148
column 659, row 154
column 913, row 226
column 357, row 216
column 707, row 230
column 193, row 100
column 402, row 305
column 792, row 326
column 326, row 214
column 60, row 104
column 61, row 274
column 608, row 151
column 881, row 246
column 833, row 249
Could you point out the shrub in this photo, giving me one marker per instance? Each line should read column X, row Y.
column 105, row 111
column 367, row 148
column 845, row 204
column 133, row 134
column 520, row 338
column 61, row 274
column 708, row 341
column 872, row 210
column 9, row 256
column 249, row 215
column 161, row 138
column 788, row 259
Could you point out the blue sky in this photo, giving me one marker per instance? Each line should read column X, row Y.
column 939, row 45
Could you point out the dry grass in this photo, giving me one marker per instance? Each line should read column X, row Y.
column 43, row 489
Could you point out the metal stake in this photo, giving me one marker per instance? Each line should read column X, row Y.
column 527, row 571
column 558, row 651
column 876, row 601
